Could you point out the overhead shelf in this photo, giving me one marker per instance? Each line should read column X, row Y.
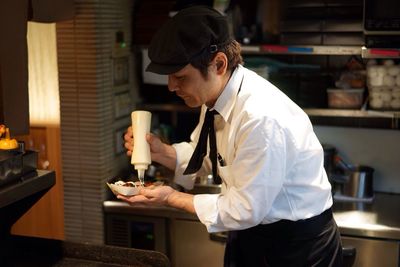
column 380, row 53
column 326, row 117
column 320, row 50
column 355, row 118
column 302, row 50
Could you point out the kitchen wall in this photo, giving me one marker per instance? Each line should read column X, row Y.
column 373, row 147
column 95, row 68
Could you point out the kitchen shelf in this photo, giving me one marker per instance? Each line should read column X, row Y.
column 326, row 117
column 320, row 50
column 301, row 50
column 380, row 53
column 336, row 117
column 355, row 118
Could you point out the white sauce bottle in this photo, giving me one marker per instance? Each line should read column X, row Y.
column 141, row 158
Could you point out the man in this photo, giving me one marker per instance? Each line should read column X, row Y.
column 276, row 199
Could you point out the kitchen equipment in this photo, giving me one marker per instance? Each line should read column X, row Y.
column 10, row 166
column 125, row 228
column 356, row 183
column 16, row 164
column 360, row 182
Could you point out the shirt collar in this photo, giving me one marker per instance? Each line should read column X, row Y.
column 227, row 99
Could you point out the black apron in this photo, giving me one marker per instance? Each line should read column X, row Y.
column 310, row 242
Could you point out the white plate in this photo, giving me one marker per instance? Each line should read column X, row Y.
column 123, row 190
column 130, row 190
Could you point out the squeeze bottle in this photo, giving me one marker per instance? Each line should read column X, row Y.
column 141, row 158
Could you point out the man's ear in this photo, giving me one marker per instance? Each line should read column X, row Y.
column 221, row 62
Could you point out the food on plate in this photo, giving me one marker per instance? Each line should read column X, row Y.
column 129, row 183
column 130, row 188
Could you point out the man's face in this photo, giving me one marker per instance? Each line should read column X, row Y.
column 193, row 88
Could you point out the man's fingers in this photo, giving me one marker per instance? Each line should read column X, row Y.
column 133, row 199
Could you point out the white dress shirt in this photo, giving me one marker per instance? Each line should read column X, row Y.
column 273, row 159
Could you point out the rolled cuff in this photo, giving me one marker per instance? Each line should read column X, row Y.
column 206, row 207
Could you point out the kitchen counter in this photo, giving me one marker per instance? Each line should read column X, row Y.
column 33, row 251
column 378, row 219
column 17, row 198
column 27, row 186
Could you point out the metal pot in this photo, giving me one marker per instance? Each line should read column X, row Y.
column 356, row 182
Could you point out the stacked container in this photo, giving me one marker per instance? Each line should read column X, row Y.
column 383, row 80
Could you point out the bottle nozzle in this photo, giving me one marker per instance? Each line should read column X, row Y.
column 140, row 174
column 141, row 168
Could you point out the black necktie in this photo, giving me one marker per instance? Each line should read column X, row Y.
column 200, row 151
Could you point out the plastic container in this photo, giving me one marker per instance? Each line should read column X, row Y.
column 345, row 98
column 141, row 158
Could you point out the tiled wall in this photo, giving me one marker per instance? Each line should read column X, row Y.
column 93, row 71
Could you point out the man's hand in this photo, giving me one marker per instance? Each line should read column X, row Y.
column 162, row 195
column 154, row 196
column 128, row 138
column 162, row 153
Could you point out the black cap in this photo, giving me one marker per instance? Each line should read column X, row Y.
column 186, row 35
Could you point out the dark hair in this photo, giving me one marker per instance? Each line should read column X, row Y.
column 231, row 49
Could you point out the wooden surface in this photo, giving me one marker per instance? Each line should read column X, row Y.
column 46, row 217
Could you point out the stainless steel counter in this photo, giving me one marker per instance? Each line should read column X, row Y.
column 379, row 219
